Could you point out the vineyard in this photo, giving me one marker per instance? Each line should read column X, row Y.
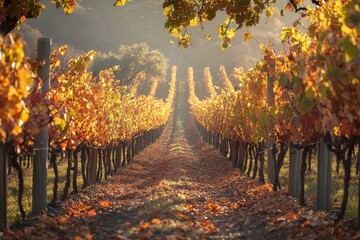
column 297, row 100
column 271, row 152
column 91, row 121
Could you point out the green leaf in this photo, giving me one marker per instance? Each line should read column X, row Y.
column 351, row 51
column 322, row 90
column 309, row 93
column 306, row 104
column 283, row 80
column 72, row 113
column 262, row 119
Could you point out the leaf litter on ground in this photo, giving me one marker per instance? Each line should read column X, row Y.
column 181, row 188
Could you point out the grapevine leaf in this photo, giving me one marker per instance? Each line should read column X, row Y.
column 351, row 51
column 270, row 11
column 60, row 123
column 231, row 33
column 168, row 11
column 120, row 3
column 194, row 22
column 68, row 9
column 247, row 36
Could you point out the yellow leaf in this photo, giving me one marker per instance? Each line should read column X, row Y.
column 270, row 11
column 16, row 130
column 120, row 3
column 156, row 221
column 168, row 11
column 24, row 116
column 230, row 33
column 68, row 8
column 247, row 36
column 60, row 123
column 2, row 135
column 25, row 81
column 194, row 22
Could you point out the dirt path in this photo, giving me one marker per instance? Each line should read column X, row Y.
column 177, row 188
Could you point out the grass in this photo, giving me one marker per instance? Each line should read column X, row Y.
column 336, row 185
column 13, row 208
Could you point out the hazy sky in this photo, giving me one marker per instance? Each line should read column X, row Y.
column 97, row 24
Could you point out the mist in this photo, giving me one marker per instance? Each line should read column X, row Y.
column 98, row 25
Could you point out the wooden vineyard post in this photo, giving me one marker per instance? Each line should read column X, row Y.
column 270, row 127
column 294, row 172
column 358, row 210
column 3, row 187
column 358, row 207
column 39, row 198
column 92, row 166
column 324, row 178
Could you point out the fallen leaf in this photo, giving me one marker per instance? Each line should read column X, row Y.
column 156, row 221
column 104, row 203
column 91, row 213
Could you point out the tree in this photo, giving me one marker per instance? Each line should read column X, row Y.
column 14, row 12
column 180, row 14
column 133, row 60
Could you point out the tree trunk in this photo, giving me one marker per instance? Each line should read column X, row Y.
column 241, row 155
column 250, row 154
column 235, row 152
column 124, row 153
column 128, row 152
column 100, row 160
column 302, row 175
column 13, row 160
column 68, row 175
column 83, row 166
column 262, row 162
column 75, row 169
column 113, row 157
column 118, row 156
column 3, row 187
column 56, row 176
column 246, row 155
column 279, row 163
column 347, row 168
column 256, row 160
column 132, row 149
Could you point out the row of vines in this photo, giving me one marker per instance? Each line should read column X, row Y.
column 307, row 94
column 93, row 122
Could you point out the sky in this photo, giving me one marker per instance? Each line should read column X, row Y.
column 97, row 24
